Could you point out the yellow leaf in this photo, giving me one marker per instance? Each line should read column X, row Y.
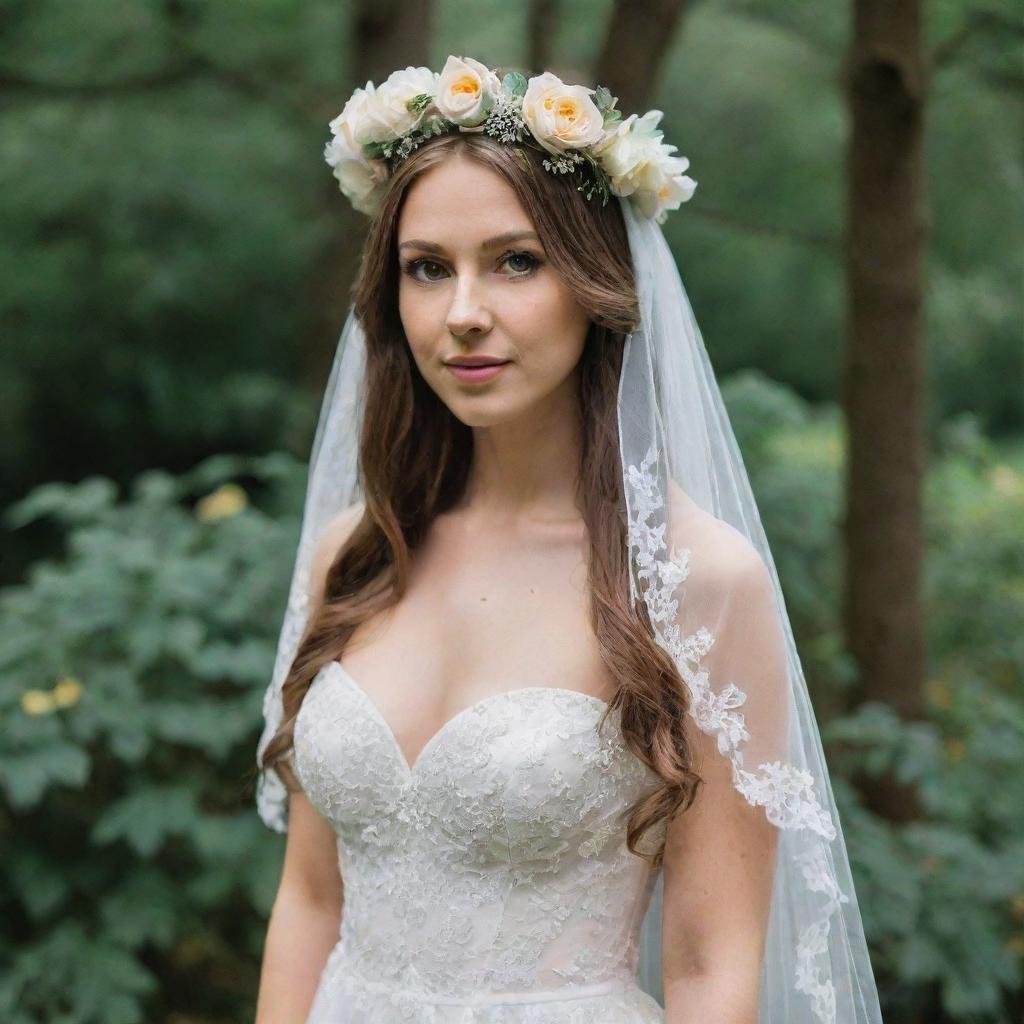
column 939, row 693
column 67, row 692
column 37, row 702
column 226, row 501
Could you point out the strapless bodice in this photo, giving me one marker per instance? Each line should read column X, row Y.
column 489, row 882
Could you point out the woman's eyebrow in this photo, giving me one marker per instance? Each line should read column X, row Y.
column 491, row 243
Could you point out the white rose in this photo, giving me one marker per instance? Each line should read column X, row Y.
column 385, row 116
column 630, row 151
column 466, row 90
column 561, row 117
column 358, row 178
column 639, row 164
column 672, row 190
column 352, row 122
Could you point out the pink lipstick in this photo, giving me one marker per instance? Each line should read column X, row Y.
column 476, row 374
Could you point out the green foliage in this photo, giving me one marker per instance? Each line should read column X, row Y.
column 975, row 523
column 793, row 454
column 943, row 899
column 131, row 674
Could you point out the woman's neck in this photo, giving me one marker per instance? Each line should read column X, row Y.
column 526, row 470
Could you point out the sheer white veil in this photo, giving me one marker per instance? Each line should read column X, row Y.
column 738, row 658
column 692, row 519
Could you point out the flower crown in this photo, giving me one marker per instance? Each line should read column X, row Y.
column 379, row 127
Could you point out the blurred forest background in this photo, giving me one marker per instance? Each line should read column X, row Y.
column 174, row 270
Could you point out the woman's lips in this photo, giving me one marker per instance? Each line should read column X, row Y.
column 476, row 374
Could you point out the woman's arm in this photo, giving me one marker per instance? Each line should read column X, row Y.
column 305, row 921
column 720, row 854
column 306, row 918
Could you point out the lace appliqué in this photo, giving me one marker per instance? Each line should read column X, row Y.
column 271, row 793
column 785, row 791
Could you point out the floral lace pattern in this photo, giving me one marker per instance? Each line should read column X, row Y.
column 785, row 791
column 490, row 880
column 271, row 793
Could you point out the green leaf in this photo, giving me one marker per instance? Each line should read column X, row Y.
column 514, row 84
column 603, row 99
column 145, row 908
column 40, row 882
column 146, row 818
column 90, row 978
column 25, row 777
column 67, row 502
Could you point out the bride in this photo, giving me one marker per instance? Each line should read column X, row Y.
column 531, row 594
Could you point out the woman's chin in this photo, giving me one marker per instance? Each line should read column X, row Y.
column 478, row 417
column 481, row 410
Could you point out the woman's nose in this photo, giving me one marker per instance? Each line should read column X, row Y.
column 468, row 310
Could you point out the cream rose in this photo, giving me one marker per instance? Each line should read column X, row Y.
column 466, row 91
column 561, row 117
column 358, row 178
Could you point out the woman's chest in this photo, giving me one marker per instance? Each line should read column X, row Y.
column 477, row 621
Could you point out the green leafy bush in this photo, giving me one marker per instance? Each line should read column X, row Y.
column 136, row 871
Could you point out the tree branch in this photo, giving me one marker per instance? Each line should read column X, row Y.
column 164, row 78
column 831, row 243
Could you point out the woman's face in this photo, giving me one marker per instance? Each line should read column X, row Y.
column 475, row 281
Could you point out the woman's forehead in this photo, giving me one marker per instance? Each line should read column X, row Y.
column 464, row 219
column 463, row 187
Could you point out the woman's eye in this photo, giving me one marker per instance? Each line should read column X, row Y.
column 529, row 258
column 523, row 264
column 412, row 269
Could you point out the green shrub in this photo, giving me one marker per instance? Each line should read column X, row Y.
column 131, row 673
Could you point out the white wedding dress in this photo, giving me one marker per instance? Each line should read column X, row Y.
column 489, row 882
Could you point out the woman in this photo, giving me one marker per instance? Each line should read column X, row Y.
column 516, row 770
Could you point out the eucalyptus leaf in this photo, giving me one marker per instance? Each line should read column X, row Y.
column 514, row 83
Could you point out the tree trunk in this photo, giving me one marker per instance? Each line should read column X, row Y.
column 636, row 41
column 886, row 84
column 386, row 35
column 542, row 18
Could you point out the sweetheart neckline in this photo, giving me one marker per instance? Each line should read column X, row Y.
column 410, row 769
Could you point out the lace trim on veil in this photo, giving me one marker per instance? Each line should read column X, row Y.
column 271, row 793
column 785, row 791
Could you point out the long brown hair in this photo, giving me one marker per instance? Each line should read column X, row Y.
column 414, row 459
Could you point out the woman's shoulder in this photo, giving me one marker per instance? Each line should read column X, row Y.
column 330, row 541
column 720, row 554
column 341, row 525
